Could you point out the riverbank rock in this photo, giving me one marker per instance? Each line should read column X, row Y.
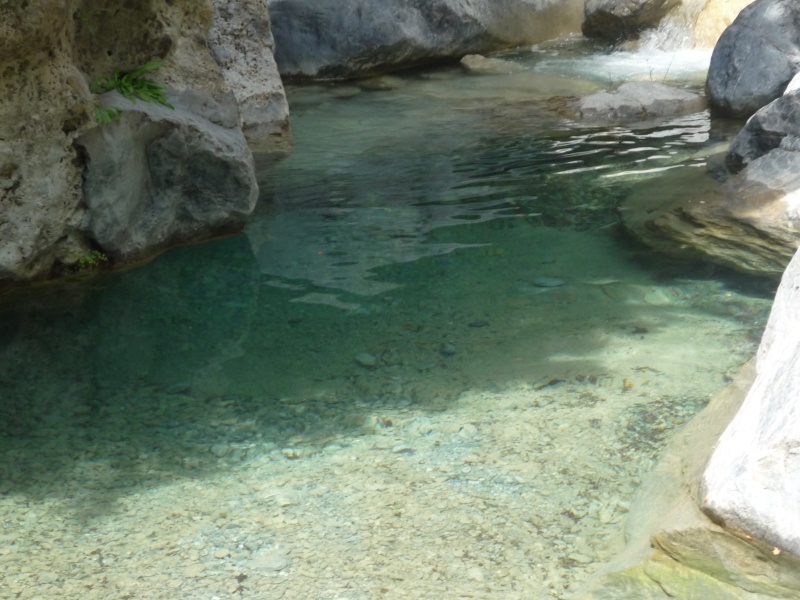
column 712, row 20
column 49, row 52
column 748, row 216
column 773, row 129
column 755, row 58
column 741, row 223
column 241, row 42
column 334, row 39
column 161, row 176
column 751, row 483
column 616, row 21
column 636, row 101
column 676, row 551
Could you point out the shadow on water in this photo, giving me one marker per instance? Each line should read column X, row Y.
column 198, row 361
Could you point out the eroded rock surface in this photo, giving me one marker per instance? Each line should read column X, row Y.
column 50, row 51
column 334, row 39
column 751, row 220
column 162, row 176
column 241, row 43
column 755, row 57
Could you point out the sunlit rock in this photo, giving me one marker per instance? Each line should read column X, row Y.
column 755, row 57
column 713, row 19
column 636, row 101
column 676, row 551
column 616, row 21
column 773, row 131
column 332, row 39
column 742, row 223
column 752, row 483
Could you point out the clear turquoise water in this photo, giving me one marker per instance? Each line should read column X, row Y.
column 388, row 278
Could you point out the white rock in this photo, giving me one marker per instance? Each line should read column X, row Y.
column 752, row 482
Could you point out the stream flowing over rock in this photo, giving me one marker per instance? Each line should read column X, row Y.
column 331, row 39
column 50, row 51
column 755, row 58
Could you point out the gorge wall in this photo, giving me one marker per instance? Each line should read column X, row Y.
column 70, row 186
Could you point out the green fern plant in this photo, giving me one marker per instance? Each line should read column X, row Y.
column 132, row 85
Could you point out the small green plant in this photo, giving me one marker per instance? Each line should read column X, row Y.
column 105, row 114
column 91, row 260
column 132, row 85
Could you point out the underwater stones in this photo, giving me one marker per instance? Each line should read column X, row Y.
column 750, row 484
column 543, row 281
column 162, row 176
column 635, row 101
column 755, row 58
column 365, row 359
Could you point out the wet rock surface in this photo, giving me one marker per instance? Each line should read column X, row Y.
column 636, row 101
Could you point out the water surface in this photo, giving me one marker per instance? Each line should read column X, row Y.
column 432, row 366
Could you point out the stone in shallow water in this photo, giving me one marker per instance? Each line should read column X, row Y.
column 545, row 282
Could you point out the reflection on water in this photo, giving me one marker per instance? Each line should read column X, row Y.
column 431, row 367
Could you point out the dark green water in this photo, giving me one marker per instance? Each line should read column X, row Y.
column 396, row 279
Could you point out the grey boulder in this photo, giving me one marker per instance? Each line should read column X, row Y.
column 755, row 58
column 636, row 101
column 332, row 39
column 159, row 176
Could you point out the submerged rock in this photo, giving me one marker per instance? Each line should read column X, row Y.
column 755, row 57
column 636, row 101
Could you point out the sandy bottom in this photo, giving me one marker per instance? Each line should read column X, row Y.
column 188, row 431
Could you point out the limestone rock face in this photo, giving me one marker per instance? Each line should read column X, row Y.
column 51, row 50
column 330, row 39
column 752, row 483
column 636, row 101
column 45, row 101
column 162, row 176
column 755, row 58
column 615, row 21
column 241, row 43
